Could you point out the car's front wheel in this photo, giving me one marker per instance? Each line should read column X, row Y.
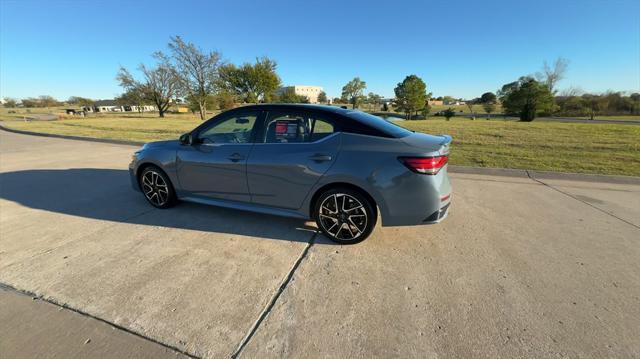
column 157, row 188
column 345, row 216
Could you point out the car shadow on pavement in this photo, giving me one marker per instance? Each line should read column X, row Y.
column 106, row 194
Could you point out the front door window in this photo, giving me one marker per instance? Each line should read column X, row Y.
column 234, row 129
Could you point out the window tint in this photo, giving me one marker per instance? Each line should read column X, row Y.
column 321, row 129
column 379, row 124
column 294, row 127
column 234, row 129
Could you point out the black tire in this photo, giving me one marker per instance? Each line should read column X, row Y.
column 157, row 188
column 344, row 215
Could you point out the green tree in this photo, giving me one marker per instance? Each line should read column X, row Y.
column 353, row 91
column 289, row 96
column 374, row 99
column 193, row 104
column 48, row 101
column 159, row 84
column 251, row 83
column 448, row 113
column 226, row 100
column 448, row 100
column 635, row 100
column 133, row 97
column 592, row 105
column 322, row 97
column 489, row 108
column 595, row 105
column 10, row 102
column 80, row 101
column 30, row 102
column 426, row 110
column 488, row 97
column 488, row 101
column 526, row 98
column 196, row 72
column 411, row 95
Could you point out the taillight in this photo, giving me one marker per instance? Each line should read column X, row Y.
column 425, row 165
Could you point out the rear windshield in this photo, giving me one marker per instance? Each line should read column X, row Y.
column 379, row 124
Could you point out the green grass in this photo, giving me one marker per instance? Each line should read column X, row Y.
column 131, row 128
column 550, row 146
column 566, row 147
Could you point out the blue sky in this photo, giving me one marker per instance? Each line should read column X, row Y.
column 462, row 48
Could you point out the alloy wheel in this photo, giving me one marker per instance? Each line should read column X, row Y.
column 155, row 188
column 343, row 216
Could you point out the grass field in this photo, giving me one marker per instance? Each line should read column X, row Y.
column 567, row 147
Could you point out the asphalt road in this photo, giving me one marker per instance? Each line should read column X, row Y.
column 520, row 268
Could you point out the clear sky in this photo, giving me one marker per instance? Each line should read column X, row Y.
column 461, row 48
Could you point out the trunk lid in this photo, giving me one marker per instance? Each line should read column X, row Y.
column 429, row 143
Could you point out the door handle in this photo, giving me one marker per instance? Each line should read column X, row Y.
column 236, row 157
column 320, row 157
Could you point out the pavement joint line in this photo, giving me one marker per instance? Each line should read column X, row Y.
column 274, row 298
column 585, row 202
column 78, row 311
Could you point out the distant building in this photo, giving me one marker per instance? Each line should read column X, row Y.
column 113, row 106
column 436, row 102
column 311, row 92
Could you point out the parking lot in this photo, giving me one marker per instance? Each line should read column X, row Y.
column 521, row 268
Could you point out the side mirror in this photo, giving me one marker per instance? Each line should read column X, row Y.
column 242, row 120
column 186, row 139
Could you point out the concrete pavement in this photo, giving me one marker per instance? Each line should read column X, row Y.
column 521, row 268
column 33, row 328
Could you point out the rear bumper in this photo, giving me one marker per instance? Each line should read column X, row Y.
column 416, row 199
column 438, row 216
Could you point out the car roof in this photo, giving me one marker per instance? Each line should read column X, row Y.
column 349, row 118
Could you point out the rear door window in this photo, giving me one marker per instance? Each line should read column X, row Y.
column 295, row 127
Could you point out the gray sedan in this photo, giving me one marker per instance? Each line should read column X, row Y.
column 340, row 167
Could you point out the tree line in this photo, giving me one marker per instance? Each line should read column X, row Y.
column 203, row 81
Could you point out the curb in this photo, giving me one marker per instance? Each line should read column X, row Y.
column 504, row 172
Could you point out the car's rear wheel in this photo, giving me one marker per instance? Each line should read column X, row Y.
column 157, row 188
column 344, row 215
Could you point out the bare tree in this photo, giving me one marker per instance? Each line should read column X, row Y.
column 551, row 75
column 159, row 85
column 48, row 101
column 470, row 104
column 571, row 91
column 196, row 71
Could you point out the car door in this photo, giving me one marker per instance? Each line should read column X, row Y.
column 214, row 166
column 293, row 150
